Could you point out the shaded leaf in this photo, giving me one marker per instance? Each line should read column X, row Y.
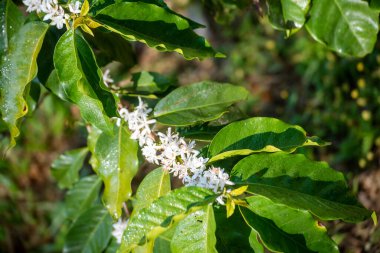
column 144, row 22
column 66, row 167
column 153, row 186
column 150, row 82
column 258, row 134
column 158, row 217
column 347, row 27
column 81, row 197
column 12, row 20
column 197, row 103
column 298, row 182
column 196, row 233
column 90, row 233
column 82, row 82
column 117, row 164
column 285, row 229
column 18, row 68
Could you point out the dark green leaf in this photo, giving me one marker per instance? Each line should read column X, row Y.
column 11, row 20
column 153, row 220
column 82, row 82
column 196, row 233
column 66, row 167
column 117, row 162
column 348, row 27
column 145, row 22
column 285, row 229
column 84, row 193
column 18, row 68
column 298, row 182
column 90, row 233
column 258, row 134
column 33, row 92
column 232, row 233
column 153, row 186
column 197, row 103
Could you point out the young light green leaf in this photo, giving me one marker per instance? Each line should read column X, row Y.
column 347, row 27
column 66, row 167
column 144, row 22
column 255, row 243
column 197, row 103
column 82, row 82
column 259, row 134
column 150, row 82
column 90, row 233
column 285, row 229
column 17, row 69
column 153, row 186
column 117, row 162
column 298, row 182
column 158, row 217
column 84, row 193
column 196, row 233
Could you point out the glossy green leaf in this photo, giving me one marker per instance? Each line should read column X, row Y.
column 90, row 233
column 150, row 82
column 11, row 20
column 259, row 134
column 17, row 70
column 153, row 186
column 82, row 82
column 162, row 243
column 82, row 196
column 144, row 22
column 153, row 220
column 298, row 182
column 196, row 233
column 66, row 167
column 197, row 103
column 285, row 229
column 347, row 27
column 117, row 163
column 288, row 14
column 54, row 85
column 92, row 139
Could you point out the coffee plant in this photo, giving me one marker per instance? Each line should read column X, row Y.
column 223, row 182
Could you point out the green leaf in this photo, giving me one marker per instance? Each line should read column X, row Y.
column 347, row 27
column 298, row 182
column 258, row 134
column 66, row 167
column 153, row 186
column 375, row 4
column 285, row 229
column 90, row 233
column 84, row 193
column 144, row 22
column 117, row 162
column 231, row 233
column 82, row 82
column 54, row 85
column 150, row 82
column 196, row 233
column 153, row 220
column 288, row 14
column 18, row 68
column 197, row 103
column 255, row 243
column 12, row 20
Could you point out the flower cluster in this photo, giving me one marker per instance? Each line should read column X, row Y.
column 172, row 152
column 53, row 11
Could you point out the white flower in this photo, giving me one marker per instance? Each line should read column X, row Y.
column 150, row 151
column 75, row 9
column 118, row 229
column 33, row 5
column 106, row 75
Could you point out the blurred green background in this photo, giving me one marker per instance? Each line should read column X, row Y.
column 294, row 79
